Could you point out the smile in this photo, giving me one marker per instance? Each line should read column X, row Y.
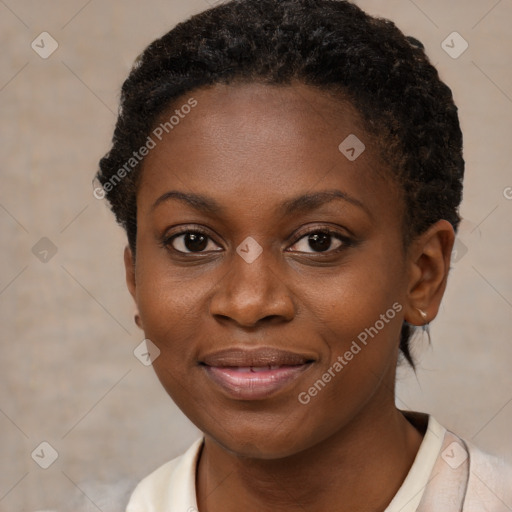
column 254, row 374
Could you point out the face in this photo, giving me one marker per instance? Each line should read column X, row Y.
column 276, row 298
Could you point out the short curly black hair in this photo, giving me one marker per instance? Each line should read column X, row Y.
column 329, row 44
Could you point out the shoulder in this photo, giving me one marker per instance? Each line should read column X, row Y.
column 489, row 483
column 464, row 477
column 170, row 487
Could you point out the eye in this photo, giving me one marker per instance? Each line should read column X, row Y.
column 190, row 241
column 321, row 240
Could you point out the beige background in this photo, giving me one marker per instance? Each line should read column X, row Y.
column 69, row 376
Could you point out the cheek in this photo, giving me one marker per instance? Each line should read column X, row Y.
column 169, row 316
column 167, row 304
column 359, row 315
column 365, row 311
column 359, row 318
column 369, row 292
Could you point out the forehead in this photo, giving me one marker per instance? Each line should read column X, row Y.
column 242, row 118
column 260, row 143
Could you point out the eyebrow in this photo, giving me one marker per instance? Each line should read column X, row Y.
column 196, row 201
column 303, row 203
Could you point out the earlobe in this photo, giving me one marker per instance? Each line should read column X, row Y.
column 429, row 260
column 130, row 271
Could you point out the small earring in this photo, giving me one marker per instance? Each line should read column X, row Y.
column 422, row 313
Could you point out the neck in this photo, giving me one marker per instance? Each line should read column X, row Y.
column 360, row 468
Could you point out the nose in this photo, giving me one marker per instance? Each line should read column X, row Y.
column 252, row 293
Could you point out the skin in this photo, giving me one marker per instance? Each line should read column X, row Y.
column 250, row 147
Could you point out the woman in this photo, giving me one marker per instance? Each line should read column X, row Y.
column 289, row 174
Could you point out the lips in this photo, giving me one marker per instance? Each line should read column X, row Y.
column 258, row 357
column 254, row 374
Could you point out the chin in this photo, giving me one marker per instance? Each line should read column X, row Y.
column 260, row 444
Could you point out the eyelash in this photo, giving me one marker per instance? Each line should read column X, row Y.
column 346, row 241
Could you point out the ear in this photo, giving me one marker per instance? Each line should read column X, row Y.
column 429, row 263
column 129, row 266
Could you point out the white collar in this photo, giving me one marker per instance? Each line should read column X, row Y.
column 172, row 487
column 408, row 497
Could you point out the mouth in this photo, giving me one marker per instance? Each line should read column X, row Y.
column 254, row 374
